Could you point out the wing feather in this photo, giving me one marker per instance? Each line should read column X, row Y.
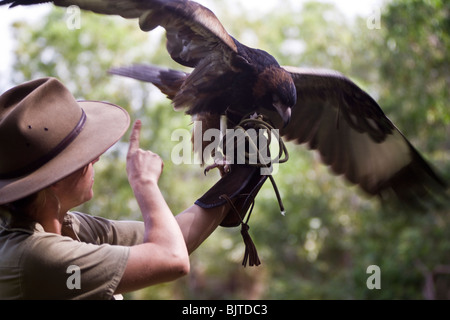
column 355, row 138
column 193, row 31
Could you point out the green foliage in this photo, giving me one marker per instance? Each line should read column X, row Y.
column 332, row 232
column 417, row 39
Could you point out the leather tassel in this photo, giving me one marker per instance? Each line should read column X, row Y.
column 250, row 255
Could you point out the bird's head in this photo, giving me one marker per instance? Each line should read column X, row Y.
column 275, row 90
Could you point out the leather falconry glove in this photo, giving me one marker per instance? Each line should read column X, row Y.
column 240, row 185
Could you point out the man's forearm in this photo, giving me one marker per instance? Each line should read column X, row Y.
column 197, row 224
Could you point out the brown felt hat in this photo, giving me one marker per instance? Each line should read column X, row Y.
column 45, row 135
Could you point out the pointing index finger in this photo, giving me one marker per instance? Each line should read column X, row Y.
column 134, row 137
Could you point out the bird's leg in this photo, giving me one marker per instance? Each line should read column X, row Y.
column 220, row 163
column 220, row 159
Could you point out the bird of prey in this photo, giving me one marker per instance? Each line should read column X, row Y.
column 320, row 108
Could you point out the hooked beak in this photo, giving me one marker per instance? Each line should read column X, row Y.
column 284, row 112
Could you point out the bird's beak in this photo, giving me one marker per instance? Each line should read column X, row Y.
column 284, row 112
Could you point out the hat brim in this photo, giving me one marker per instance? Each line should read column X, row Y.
column 105, row 124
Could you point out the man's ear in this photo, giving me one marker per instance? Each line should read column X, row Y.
column 55, row 187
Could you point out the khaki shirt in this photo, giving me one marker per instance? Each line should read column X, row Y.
column 85, row 262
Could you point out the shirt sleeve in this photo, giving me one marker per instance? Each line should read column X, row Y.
column 99, row 230
column 86, row 262
column 58, row 267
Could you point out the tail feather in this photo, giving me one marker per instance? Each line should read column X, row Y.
column 167, row 80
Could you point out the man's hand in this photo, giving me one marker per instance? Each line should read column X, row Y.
column 142, row 165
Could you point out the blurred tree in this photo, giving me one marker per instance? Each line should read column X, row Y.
column 332, row 232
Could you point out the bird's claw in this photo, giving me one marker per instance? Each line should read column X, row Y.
column 223, row 165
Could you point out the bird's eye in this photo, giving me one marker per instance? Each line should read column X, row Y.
column 275, row 98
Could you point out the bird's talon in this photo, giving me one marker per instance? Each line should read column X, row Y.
column 223, row 166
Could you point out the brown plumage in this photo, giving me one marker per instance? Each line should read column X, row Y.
column 321, row 108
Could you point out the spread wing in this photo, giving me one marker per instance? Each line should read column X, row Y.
column 195, row 38
column 193, row 31
column 355, row 138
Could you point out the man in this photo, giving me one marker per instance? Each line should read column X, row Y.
column 49, row 143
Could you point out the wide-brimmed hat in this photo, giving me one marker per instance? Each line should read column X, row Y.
column 45, row 135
